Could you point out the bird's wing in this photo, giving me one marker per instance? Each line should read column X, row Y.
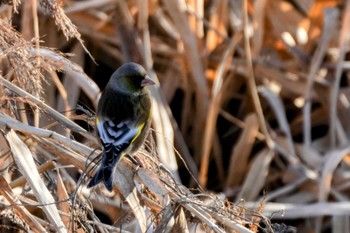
column 116, row 136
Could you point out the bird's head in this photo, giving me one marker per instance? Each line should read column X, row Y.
column 131, row 78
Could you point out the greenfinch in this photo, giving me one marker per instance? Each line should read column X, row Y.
column 123, row 118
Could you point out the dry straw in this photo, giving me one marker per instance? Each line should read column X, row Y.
column 250, row 117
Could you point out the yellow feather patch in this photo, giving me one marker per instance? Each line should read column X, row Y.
column 140, row 127
column 139, row 130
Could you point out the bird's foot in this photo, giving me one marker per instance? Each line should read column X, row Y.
column 138, row 162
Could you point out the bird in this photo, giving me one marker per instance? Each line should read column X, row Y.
column 123, row 118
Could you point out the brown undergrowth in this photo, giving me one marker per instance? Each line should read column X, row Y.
column 250, row 117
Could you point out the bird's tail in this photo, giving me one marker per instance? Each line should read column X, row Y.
column 104, row 173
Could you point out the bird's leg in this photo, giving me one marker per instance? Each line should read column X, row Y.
column 136, row 160
column 131, row 157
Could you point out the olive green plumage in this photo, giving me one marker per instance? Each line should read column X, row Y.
column 123, row 118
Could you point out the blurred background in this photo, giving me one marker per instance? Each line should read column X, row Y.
column 252, row 102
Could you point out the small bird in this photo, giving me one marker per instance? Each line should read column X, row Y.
column 123, row 118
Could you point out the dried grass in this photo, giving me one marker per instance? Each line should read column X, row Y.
column 254, row 96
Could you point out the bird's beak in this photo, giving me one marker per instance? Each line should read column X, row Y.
column 147, row 81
